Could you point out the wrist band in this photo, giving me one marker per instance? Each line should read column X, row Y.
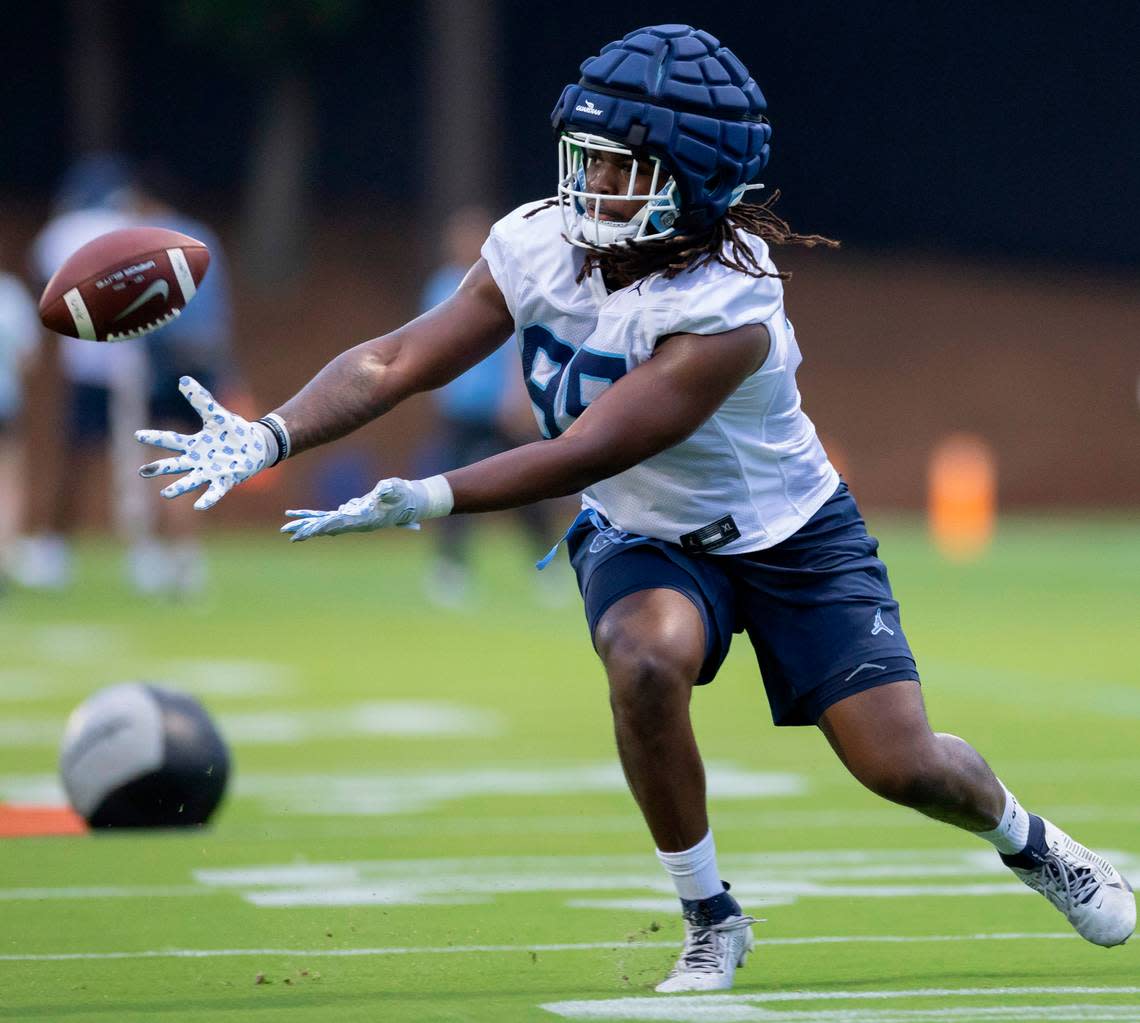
column 276, row 425
column 440, row 499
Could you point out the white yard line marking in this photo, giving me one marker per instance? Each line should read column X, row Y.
column 401, row 792
column 76, row 642
column 212, row 953
column 744, row 1008
column 428, row 890
column 755, row 820
column 23, row 732
column 39, row 789
column 790, row 865
column 224, row 679
column 27, row 685
column 660, row 1011
column 446, row 890
column 216, row 679
column 103, row 892
column 402, row 718
column 611, row 883
column 905, row 939
column 777, row 864
column 759, row 879
column 582, row 946
column 387, row 793
column 665, row 904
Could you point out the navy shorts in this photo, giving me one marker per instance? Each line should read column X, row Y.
column 817, row 607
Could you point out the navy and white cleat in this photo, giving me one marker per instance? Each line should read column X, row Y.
column 710, row 956
column 1089, row 890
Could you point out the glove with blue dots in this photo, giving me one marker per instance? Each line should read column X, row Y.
column 225, row 452
column 392, row 502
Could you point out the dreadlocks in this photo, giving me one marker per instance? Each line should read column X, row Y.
column 624, row 265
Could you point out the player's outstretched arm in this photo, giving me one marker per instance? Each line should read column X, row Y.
column 649, row 410
column 366, row 381
column 356, row 387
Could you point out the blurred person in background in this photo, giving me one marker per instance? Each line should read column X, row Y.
column 170, row 559
column 481, row 412
column 106, row 387
column 19, row 336
column 97, row 379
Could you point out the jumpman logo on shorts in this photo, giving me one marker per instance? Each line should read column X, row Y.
column 878, row 625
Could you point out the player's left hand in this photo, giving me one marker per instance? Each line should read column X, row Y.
column 227, row 450
column 392, row 502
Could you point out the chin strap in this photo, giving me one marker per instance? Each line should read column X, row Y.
column 739, row 191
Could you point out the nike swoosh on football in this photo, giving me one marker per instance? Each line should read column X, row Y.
column 159, row 287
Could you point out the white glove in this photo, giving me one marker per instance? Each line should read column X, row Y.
column 392, row 502
column 226, row 451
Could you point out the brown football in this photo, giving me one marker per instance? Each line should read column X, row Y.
column 124, row 284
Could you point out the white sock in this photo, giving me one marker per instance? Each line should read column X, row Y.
column 694, row 871
column 1012, row 832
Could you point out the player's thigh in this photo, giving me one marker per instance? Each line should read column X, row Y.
column 820, row 615
column 648, row 604
column 879, row 726
column 654, row 634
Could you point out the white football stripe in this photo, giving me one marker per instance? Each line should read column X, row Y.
column 111, row 739
column 182, row 274
column 84, row 326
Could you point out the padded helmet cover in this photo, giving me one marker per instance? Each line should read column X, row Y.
column 676, row 93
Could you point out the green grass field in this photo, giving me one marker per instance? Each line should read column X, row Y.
column 427, row 822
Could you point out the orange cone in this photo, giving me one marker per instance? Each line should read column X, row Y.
column 962, row 496
column 29, row 821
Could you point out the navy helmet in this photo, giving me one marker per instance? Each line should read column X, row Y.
column 673, row 96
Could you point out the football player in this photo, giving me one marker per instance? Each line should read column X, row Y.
column 650, row 321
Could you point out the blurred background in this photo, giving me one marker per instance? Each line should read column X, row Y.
column 977, row 161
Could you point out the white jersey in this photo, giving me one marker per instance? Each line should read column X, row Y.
column 752, row 474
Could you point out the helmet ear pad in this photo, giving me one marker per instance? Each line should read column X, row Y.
column 711, row 159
